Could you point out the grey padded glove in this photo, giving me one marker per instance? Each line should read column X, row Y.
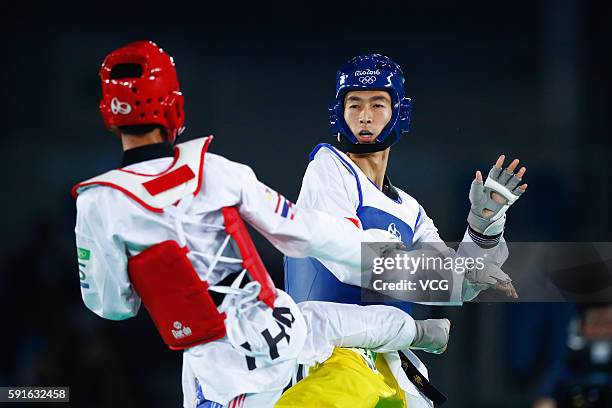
column 477, row 280
column 503, row 183
column 431, row 335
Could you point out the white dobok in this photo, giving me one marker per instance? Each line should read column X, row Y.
column 118, row 218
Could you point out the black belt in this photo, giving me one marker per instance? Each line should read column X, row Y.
column 421, row 382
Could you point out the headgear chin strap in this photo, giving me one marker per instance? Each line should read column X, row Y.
column 362, row 148
column 367, row 73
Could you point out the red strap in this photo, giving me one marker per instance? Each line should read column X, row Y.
column 354, row 221
column 169, row 180
column 251, row 260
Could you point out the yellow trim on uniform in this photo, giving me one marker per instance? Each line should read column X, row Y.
column 344, row 380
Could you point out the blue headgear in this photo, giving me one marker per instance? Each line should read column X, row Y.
column 364, row 73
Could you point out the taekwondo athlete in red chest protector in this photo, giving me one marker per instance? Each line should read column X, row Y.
column 167, row 230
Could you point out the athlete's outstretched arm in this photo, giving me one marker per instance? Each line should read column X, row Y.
column 300, row 232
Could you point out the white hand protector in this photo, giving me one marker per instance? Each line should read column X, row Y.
column 491, row 276
column 431, row 335
column 501, row 182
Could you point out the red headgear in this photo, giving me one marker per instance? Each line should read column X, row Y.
column 149, row 94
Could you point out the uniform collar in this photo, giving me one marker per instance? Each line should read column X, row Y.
column 389, row 190
column 147, row 152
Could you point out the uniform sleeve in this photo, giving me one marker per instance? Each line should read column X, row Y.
column 105, row 285
column 328, row 186
column 378, row 328
column 425, row 231
column 470, row 247
column 473, row 245
column 300, row 232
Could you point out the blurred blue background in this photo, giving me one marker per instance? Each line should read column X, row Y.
column 528, row 79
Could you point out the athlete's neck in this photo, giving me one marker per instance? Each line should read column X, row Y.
column 373, row 165
column 132, row 141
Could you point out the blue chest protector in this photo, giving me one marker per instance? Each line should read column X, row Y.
column 309, row 279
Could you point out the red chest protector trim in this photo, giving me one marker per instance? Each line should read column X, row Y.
column 177, row 299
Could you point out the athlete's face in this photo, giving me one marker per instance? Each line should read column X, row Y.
column 367, row 113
